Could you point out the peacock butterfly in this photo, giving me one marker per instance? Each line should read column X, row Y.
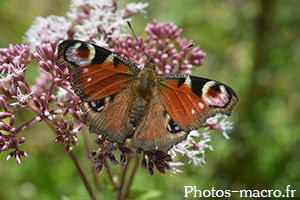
column 116, row 97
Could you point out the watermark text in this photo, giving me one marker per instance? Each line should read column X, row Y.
column 191, row 191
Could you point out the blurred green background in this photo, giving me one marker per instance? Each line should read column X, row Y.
column 253, row 46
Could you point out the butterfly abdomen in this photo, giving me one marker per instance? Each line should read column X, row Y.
column 137, row 110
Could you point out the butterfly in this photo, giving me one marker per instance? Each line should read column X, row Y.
column 117, row 97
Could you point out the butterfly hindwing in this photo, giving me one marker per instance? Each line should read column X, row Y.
column 109, row 117
column 190, row 100
column 154, row 132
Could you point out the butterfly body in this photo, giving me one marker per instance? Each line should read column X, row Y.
column 117, row 97
column 139, row 102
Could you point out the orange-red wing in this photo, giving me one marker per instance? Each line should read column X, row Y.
column 109, row 117
column 104, row 80
column 96, row 72
column 190, row 100
column 153, row 132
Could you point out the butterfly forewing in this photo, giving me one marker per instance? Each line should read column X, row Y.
column 96, row 72
column 190, row 100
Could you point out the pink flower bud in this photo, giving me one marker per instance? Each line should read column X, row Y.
column 23, row 153
column 12, row 120
column 51, row 98
column 10, row 155
column 18, row 158
column 21, row 140
column 4, row 115
column 4, row 127
column 38, row 118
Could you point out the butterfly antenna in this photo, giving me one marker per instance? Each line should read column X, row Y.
column 173, row 54
column 188, row 47
column 137, row 39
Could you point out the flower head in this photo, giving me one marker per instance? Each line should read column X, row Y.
column 53, row 28
column 22, row 98
column 165, row 45
column 198, row 141
column 94, row 21
column 222, row 126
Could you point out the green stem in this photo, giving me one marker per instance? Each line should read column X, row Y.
column 89, row 149
column 136, row 164
column 124, row 170
column 83, row 178
column 116, row 186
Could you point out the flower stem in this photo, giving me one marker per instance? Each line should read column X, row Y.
column 116, row 186
column 124, row 170
column 89, row 149
column 21, row 128
column 83, row 178
column 136, row 164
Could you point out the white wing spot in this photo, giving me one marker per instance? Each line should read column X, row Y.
column 110, row 58
column 220, row 98
column 193, row 111
column 89, row 79
column 85, row 70
column 201, row 105
column 188, row 81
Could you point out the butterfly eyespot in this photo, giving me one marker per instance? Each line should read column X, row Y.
column 215, row 94
column 97, row 105
column 80, row 53
column 208, row 86
column 173, row 127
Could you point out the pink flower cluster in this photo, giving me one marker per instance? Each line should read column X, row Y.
column 52, row 99
column 165, row 45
